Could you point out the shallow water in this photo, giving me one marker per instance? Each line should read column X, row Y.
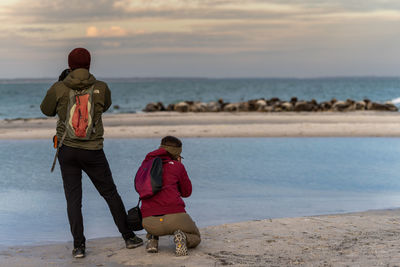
column 234, row 179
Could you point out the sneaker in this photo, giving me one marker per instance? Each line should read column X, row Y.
column 133, row 242
column 180, row 243
column 79, row 252
column 152, row 245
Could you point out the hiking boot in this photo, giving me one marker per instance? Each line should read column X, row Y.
column 180, row 243
column 79, row 252
column 152, row 245
column 133, row 242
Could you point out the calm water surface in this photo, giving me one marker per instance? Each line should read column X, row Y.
column 234, row 179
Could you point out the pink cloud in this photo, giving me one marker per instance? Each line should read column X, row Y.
column 113, row 31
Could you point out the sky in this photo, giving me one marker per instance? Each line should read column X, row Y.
column 202, row 38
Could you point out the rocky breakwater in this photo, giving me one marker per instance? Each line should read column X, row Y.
column 273, row 105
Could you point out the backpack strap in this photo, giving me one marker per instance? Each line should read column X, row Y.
column 58, row 149
column 94, row 124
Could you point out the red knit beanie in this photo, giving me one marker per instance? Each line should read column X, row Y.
column 79, row 58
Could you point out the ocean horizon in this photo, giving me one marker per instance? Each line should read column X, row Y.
column 21, row 98
column 209, row 77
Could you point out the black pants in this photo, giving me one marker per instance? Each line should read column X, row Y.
column 94, row 163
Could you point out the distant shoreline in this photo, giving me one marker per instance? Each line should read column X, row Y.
column 54, row 79
column 223, row 124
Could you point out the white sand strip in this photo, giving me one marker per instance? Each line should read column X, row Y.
column 155, row 125
column 358, row 239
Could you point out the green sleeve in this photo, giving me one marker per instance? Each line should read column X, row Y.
column 107, row 99
column 49, row 103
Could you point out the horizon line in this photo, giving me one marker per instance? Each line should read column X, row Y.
column 210, row 78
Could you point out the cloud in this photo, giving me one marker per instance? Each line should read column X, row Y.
column 113, row 31
column 92, row 32
column 39, row 29
column 166, row 42
column 40, row 11
column 58, row 11
column 261, row 30
column 111, row 44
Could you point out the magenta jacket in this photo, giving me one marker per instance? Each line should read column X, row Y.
column 176, row 184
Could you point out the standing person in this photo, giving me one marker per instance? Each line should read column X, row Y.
column 79, row 101
column 164, row 213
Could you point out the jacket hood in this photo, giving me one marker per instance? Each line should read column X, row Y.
column 79, row 79
column 161, row 152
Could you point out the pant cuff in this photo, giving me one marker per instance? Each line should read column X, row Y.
column 128, row 235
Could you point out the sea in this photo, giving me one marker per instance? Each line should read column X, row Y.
column 21, row 98
column 234, row 179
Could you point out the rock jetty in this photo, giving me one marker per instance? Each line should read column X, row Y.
column 273, row 105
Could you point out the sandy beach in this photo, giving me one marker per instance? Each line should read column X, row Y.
column 359, row 239
column 287, row 115
column 155, row 125
column 356, row 239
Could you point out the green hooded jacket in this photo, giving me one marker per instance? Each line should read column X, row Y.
column 56, row 103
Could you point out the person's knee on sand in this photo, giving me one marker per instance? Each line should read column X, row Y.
column 164, row 213
column 167, row 225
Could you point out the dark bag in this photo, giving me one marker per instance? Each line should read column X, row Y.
column 135, row 218
column 148, row 178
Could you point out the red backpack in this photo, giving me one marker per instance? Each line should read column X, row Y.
column 79, row 118
column 148, row 179
column 80, row 112
column 148, row 182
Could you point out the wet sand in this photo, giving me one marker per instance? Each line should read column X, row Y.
column 358, row 239
column 355, row 239
column 155, row 125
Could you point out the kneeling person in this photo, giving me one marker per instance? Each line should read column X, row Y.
column 164, row 213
